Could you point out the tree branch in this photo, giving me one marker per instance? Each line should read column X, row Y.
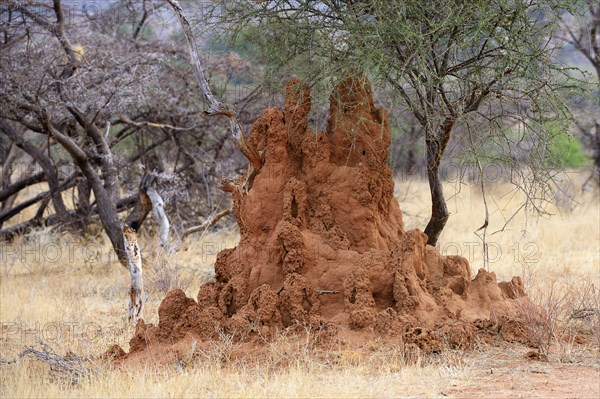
column 208, row 223
column 4, row 216
column 14, row 188
column 161, row 217
column 215, row 107
column 43, row 160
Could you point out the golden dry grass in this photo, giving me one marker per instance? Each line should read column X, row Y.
column 303, row 379
column 72, row 294
column 540, row 248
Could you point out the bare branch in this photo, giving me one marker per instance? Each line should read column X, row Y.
column 215, row 107
column 70, row 365
column 126, row 120
column 43, row 160
column 14, row 188
column 4, row 216
column 208, row 223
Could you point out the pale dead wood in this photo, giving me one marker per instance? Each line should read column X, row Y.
column 127, row 120
column 208, row 223
column 74, row 367
column 148, row 199
column 161, row 217
column 134, row 260
column 215, row 107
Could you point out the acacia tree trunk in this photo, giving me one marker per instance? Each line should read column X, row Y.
column 106, row 204
column 436, row 145
column 83, row 199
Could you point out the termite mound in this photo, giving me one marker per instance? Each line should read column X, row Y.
column 322, row 243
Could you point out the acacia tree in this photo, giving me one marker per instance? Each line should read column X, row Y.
column 481, row 67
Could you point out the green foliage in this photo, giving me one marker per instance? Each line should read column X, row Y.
column 565, row 151
column 243, row 42
column 441, row 58
column 483, row 70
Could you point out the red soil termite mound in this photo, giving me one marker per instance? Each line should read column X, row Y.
column 322, row 243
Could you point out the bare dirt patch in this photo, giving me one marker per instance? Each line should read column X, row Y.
column 504, row 376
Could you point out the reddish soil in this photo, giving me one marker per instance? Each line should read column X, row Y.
column 323, row 246
column 507, row 377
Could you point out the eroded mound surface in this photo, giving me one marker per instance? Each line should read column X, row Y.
column 322, row 243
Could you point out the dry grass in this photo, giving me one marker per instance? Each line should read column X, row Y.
column 557, row 255
column 565, row 245
column 209, row 380
column 71, row 294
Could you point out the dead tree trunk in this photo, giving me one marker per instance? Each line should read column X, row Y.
column 142, row 207
column 150, row 199
column 134, row 262
column 161, row 217
column 211, row 221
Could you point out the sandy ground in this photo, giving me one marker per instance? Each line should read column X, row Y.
column 509, row 375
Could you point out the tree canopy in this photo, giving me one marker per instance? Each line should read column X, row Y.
column 487, row 69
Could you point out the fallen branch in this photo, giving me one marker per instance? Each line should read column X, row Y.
column 208, row 223
column 70, row 365
column 125, row 120
column 32, row 201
